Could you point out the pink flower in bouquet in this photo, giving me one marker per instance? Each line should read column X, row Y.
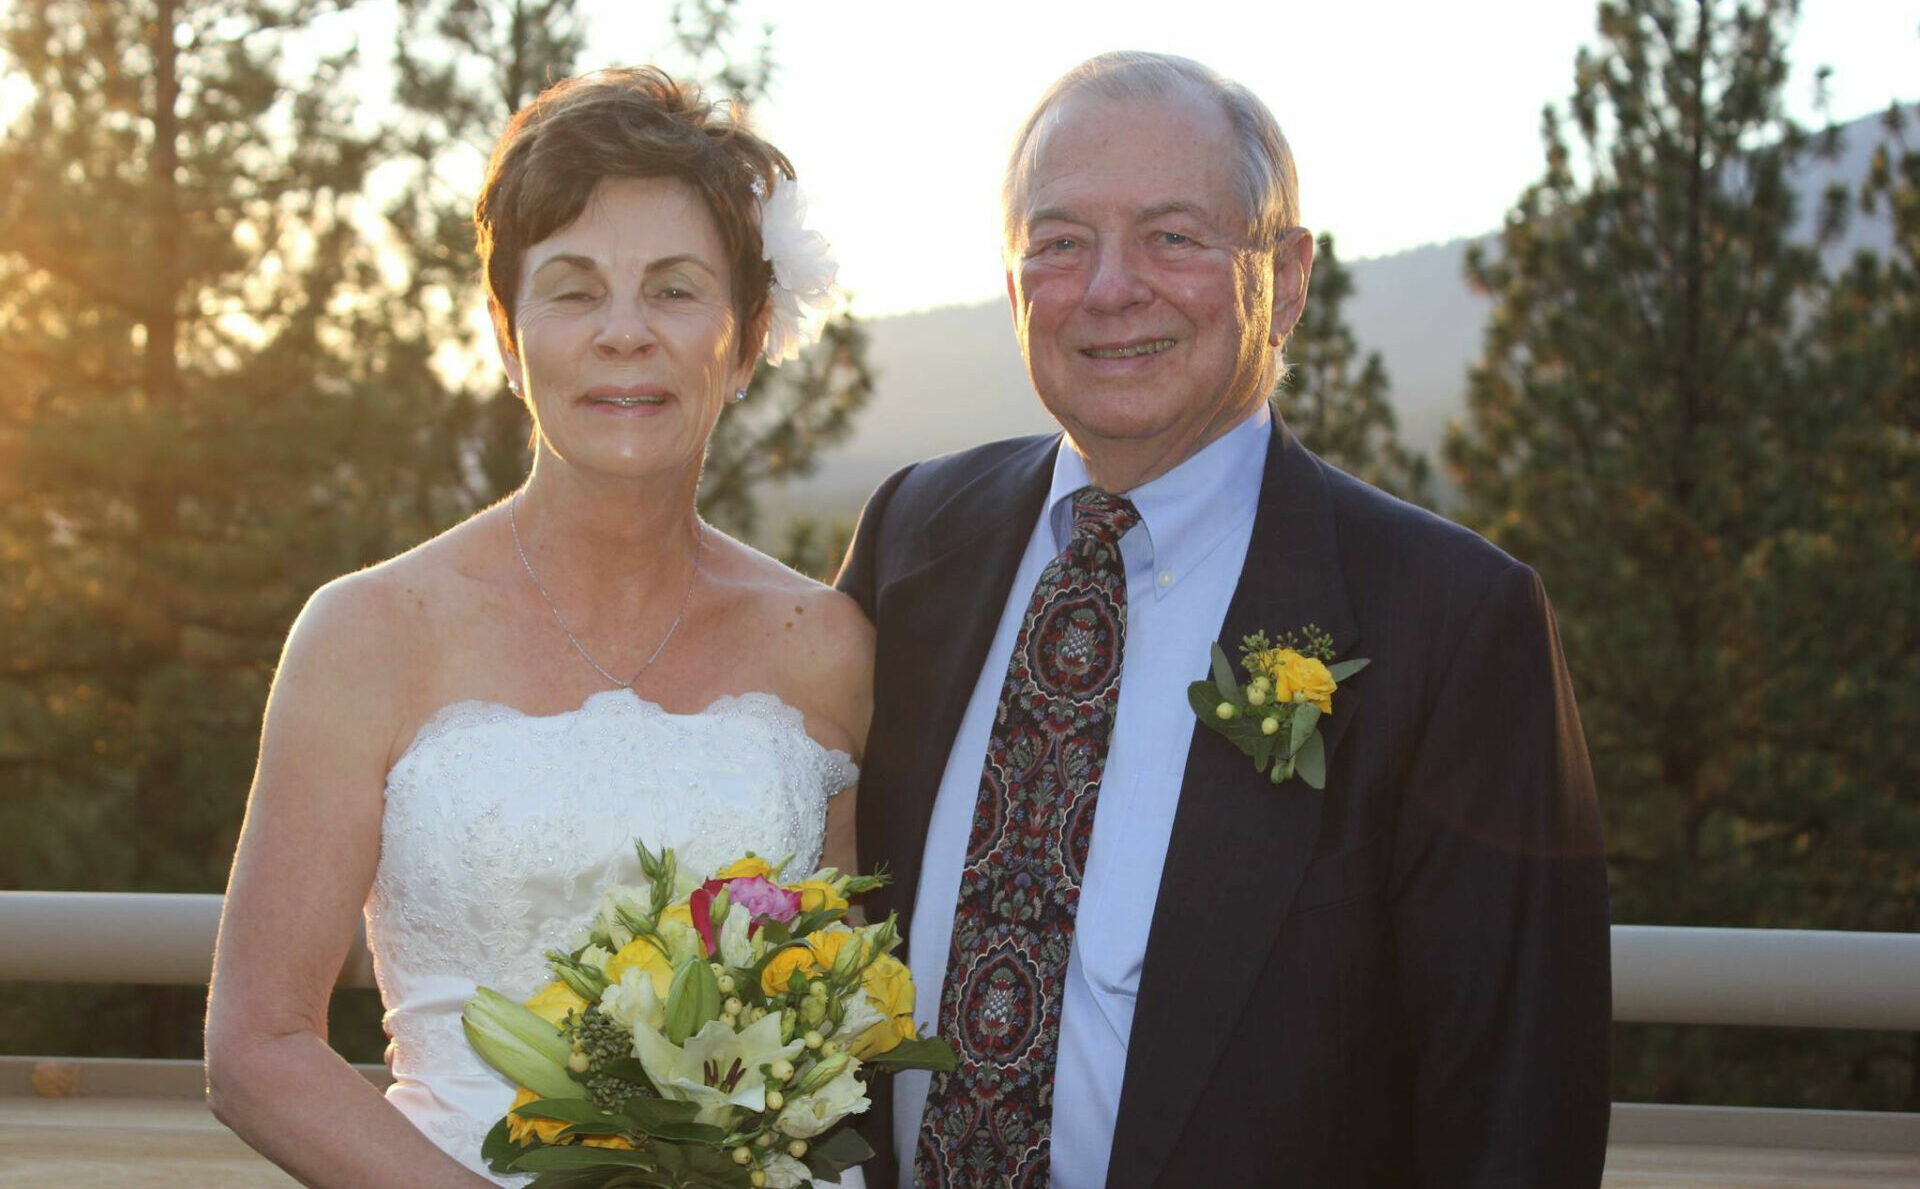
column 763, row 900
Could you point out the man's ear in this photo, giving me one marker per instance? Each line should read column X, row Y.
column 1013, row 297
column 1292, row 270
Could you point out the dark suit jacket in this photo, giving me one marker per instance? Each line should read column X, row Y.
column 1400, row 981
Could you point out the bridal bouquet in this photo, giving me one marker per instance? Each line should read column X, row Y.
column 716, row 1034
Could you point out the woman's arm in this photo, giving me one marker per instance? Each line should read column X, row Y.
column 307, row 855
column 842, row 660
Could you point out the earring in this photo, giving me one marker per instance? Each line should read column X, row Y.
column 739, row 394
column 513, row 386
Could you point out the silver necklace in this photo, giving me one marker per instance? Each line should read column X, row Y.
column 513, row 525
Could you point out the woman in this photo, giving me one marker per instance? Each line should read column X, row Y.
column 467, row 738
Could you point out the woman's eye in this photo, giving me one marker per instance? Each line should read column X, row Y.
column 574, row 295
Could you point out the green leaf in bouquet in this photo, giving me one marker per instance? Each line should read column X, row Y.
column 627, row 1069
column 879, row 877
column 1306, row 716
column 692, row 1001
column 498, row 1150
column 1311, row 763
column 700, row 1168
column 668, row 1119
column 807, row 922
column 927, row 1052
column 690, row 1133
column 652, row 1114
column 1346, row 669
column 560, row 1158
column 1223, row 676
column 774, row 934
column 570, row 1110
column 596, row 1178
column 837, row 1151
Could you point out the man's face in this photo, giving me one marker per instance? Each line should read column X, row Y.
column 1145, row 314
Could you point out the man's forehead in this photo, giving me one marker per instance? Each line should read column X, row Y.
column 1150, row 153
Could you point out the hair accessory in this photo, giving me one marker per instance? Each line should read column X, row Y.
column 739, row 394
column 700, row 543
column 803, row 272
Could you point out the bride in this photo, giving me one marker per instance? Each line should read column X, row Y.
column 466, row 739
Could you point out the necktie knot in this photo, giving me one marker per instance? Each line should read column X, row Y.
column 1101, row 517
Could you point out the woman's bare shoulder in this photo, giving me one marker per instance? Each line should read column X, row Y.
column 369, row 639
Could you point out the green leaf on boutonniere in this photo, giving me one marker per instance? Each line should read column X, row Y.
column 1223, row 675
column 1311, row 763
column 1305, row 718
column 1344, row 669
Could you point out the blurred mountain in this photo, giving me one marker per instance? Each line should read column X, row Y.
column 952, row 377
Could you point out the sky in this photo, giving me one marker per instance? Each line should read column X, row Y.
column 1411, row 121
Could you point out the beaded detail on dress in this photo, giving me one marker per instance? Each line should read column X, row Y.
column 501, row 828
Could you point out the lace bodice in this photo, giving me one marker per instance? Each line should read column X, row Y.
column 502, row 827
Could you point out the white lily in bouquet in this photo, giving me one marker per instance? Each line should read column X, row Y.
column 713, row 1035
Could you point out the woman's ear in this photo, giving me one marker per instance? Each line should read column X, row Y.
column 753, row 344
column 509, row 358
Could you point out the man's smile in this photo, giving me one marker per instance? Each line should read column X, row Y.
column 1128, row 351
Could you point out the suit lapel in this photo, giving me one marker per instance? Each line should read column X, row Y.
column 938, row 622
column 1239, row 843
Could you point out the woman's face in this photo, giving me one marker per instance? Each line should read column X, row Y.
column 626, row 342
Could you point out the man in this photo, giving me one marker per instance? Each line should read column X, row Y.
column 1158, row 966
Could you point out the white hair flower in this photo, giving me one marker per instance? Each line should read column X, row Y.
column 804, row 271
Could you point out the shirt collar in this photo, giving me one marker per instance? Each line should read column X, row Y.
column 1185, row 513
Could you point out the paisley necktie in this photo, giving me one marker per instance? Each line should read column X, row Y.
column 989, row 1122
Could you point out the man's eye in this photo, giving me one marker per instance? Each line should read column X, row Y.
column 1174, row 237
column 574, row 295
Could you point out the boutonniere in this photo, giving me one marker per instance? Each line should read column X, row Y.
column 1275, row 716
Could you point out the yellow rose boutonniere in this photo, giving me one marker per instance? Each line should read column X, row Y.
column 1274, row 717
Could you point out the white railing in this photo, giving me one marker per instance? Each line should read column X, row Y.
column 1661, row 974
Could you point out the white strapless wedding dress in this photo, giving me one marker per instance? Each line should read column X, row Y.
column 501, row 828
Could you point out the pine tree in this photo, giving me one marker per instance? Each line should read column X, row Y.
column 1652, row 429
column 1336, row 400
column 191, row 444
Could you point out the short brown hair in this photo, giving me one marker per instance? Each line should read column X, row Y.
column 629, row 123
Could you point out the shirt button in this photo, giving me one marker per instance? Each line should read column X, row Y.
column 1166, row 578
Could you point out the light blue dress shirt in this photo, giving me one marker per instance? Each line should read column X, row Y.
column 1183, row 562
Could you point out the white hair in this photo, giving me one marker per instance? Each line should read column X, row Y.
column 1263, row 164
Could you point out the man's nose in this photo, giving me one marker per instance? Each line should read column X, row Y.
column 1117, row 281
column 626, row 330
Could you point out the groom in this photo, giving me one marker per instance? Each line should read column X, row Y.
column 1158, row 966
